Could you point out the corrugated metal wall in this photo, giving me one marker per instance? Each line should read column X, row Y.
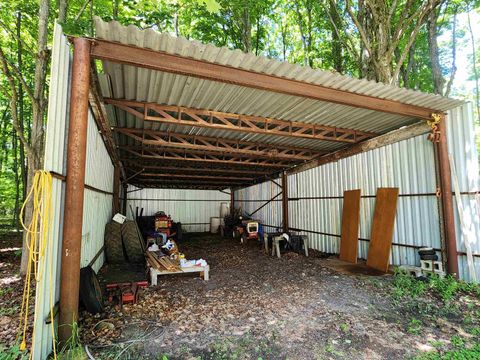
column 193, row 208
column 255, row 199
column 316, row 195
column 462, row 146
column 97, row 205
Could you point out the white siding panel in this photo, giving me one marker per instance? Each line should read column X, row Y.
column 97, row 205
column 315, row 195
column 252, row 198
column 47, row 292
column 193, row 208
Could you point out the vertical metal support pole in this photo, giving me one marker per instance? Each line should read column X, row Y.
column 285, row 201
column 232, row 201
column 74, row 190
column 125, row 194
column 116, row 191
column 447, row 199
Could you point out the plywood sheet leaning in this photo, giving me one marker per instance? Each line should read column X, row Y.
column 382, row 228
column 350, row 223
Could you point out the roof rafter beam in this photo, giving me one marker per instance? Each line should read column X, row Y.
column 181, row 168
column 195, row 142
column 199, row 177
column 178, row 115
column 190, row 181
column 147, row 153
column 161, row 61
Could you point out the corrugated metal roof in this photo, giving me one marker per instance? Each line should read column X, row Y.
column 123, row 81
column 132, row 83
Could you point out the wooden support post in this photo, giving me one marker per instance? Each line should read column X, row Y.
column 232, row 201
column 116, row 191
column 74, row 189
column 285, row 201
column 447, row 199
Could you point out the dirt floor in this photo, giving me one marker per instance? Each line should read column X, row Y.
column 260, row 307
column 11, row 287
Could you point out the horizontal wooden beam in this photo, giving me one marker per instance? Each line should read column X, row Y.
column 179, row 186
column 189, row 181
column 174, row 177
column 147, row 153
column 392, row 137
column 181, row 168
column 178, row 115
column 161, row 61
column 164, row 139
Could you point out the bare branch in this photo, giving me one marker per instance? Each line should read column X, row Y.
column 13, row 101
column 16, row 72
column 82, row 9
column 413, row 35
column 30, row 49
column 360, row 28
column 348, row 44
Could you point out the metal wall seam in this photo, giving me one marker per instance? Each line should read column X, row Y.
column 193, row 208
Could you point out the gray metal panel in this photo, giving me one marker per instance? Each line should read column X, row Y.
column 193, row 208
column 252, row 198
column 99, row 174
column 408, row 165
column 47, row 289
column 462, row 146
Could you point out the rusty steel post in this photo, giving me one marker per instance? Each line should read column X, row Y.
column 232, row 201
column 125, row 194
column 285, row 201
column 74, row 189
column 116, row 190
column 447, row 199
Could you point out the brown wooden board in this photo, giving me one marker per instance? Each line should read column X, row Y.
column 350, row 222
column 382, row 228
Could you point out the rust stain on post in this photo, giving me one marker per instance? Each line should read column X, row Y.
column 73, row 214
column 285, row 201
column 447, row 199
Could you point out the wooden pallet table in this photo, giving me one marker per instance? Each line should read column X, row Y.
column 203, row 270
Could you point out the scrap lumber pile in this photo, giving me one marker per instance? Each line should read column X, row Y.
column 161, row 263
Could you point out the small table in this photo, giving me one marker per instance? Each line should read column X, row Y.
column 203, row 270
column 276, row 244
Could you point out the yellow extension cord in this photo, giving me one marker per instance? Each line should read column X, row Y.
column 37, row 241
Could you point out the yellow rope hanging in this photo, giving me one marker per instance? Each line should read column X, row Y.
column 36, row 236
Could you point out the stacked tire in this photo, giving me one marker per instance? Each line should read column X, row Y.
column 123, row 243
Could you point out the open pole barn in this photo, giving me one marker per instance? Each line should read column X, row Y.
column 142, row 118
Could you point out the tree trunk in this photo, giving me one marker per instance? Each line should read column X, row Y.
column 115, row 10
column 438, row 79
column 62, row 10
column 337, row 55
column 246, row 30
column 475, row 71
column 35, row 156
column 19, row 197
